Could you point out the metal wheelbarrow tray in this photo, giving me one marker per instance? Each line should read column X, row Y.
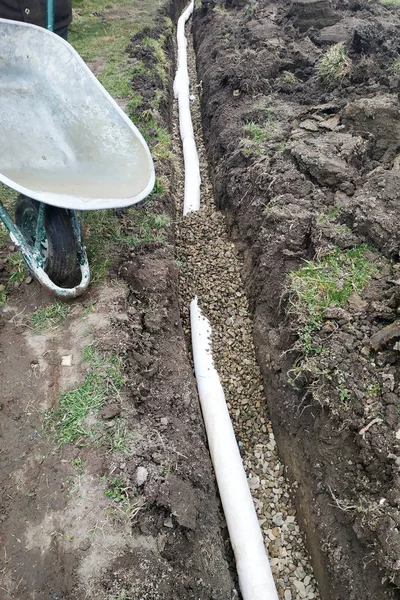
column 66, row 146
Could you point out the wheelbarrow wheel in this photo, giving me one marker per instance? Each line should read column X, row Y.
column 59, row 248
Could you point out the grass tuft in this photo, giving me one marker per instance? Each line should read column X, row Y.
column 48, row 317
column 324, row 283
column 335, row 64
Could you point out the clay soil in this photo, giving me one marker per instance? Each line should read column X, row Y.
column 324, row 176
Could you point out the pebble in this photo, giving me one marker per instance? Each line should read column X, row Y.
column 66, row 361
column 141, row 475
column 85, row 544
column 210, row 270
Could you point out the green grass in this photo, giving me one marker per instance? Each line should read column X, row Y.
column 335, row 64
column 395, row 66
column 256, row 134
column 119, row 440
column 103, row 41
column 48, row 317
column 75, row 419
column 116, row 490
column 107, row 234
column 324, row 283
column 393, row 2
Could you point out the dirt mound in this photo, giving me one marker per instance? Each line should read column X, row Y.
column 304, row 148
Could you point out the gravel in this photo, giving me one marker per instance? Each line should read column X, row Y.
column 211, row 269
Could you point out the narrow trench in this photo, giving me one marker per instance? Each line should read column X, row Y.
column 211, row 269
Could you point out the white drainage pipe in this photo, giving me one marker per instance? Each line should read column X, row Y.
column 191, row 200
column 255, row 577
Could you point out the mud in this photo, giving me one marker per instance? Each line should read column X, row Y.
column 323, row 177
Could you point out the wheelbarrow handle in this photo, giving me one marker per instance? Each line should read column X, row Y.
column 50, row 15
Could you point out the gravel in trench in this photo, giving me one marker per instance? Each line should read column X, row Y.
column 210, row 269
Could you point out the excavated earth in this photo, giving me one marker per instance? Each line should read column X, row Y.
column 135, row 515
column 326, row 176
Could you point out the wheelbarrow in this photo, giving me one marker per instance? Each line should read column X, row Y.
column 66, row 147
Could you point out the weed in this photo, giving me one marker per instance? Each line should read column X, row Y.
column 335, row 64
column 289, row 77
column 48, row 317
column 395, row 66
column 117, row 490
column 220, row 10
column 18, row 269
column 343, row 392
column 326, row 282
column 251, row 10
column 373, row 389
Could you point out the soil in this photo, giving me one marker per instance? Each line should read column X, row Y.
column 331, row 149
column 132, row 513
column 141, row 519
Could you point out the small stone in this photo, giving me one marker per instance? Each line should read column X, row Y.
column 300, row 587
column 110, row 411
column 28, row 280
column 278, row 519
column 66, row 361
column 288, row 595
column 335, row 313
column 331, row 123
column 309, row 125
column 141, row 475
column 254, row 482
column 164, row 421
column 85, row 544
column 168, row 523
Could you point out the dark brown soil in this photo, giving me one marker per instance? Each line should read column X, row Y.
column 330, row 149
column 65, row 533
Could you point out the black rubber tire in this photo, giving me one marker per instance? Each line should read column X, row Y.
column 61, row 264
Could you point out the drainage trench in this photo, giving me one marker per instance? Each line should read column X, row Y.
column 211, row 270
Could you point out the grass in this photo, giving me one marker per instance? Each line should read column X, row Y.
column 107, row 234
column 256, row 134
column 117, row 490
column 327, row 282
column 103, row 41
column 118, row 440
column 75, row 419
column 395, row 66
column 393, row 2
column 335, row 64
column 48, row 317
column 15, row 264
